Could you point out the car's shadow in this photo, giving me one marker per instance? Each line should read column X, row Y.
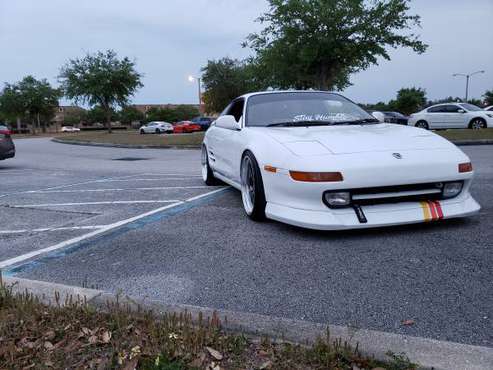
column 431, row 227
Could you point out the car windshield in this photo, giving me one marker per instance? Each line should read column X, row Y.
column 303, row 108
column 470, row 107
column 394, row 114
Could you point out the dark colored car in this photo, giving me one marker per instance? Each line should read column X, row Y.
column 395, row 117
column 204, row 122
column 7, row 148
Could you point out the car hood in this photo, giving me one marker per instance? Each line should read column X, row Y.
column 320, row 140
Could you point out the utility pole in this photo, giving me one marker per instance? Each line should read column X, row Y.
column 467, row 76
column 192, row 79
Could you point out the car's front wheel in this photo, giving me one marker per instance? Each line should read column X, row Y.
column 252, row 188
column 477, row 124
column 142, row 132
column 207, row 174
column 423, row 125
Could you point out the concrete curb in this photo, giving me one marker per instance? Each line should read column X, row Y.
column 473, row 142
column 429, row 353
column 126, row 146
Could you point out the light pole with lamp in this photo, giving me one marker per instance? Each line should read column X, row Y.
column 467, row 76
column 192, row 79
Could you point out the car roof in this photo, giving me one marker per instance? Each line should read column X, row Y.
column 249, row 95
column 452, row 102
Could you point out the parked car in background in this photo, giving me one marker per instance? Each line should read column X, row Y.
column 157, row 128
column 186, row 127
column 390, row 117
column 452, row 115
column 70, row 129
column 7, row 147
column 204, row 122
column 489, row 109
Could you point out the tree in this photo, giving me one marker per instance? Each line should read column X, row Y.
column 12, row 107
column 74, row 117
column 101, row 79
column 98, row 115
column 178, row 113
column 320, row 43
column 410, row 100
column 226, row 79
column 130, row 114
column 30, row 98
column 488, row 97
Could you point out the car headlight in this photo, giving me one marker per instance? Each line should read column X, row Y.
column 452, row 189
column 337, row 199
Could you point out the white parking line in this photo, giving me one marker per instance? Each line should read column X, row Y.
column 118, row 189
column 93, row 203
column 67, row 243
column 23, row 231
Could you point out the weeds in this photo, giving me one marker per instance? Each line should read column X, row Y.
column 72, row 334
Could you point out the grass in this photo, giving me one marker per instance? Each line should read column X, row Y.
column 134, row 138
column 74, row 335
column 467, row 134
column 195, row 140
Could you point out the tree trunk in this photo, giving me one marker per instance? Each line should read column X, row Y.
column 19, row 127
column 41, row 125
column 33, row 125
column 108, row 121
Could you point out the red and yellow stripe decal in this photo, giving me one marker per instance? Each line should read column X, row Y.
column 432, row 210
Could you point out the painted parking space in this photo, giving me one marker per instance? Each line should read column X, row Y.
column 205, row 252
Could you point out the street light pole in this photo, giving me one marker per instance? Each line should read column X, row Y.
column 192, row 79
column 467, row 76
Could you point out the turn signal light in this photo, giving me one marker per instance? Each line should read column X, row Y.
column 316, row 176
column 465, row 167
column 270, row 169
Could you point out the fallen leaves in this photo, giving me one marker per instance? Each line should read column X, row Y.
column 216, row 354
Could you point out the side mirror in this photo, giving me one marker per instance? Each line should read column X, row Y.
column 461, row 111
column 228, row 122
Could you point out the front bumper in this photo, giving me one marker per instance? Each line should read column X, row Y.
column 377, row 215
column 7, row 155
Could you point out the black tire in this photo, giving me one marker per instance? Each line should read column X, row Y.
column 252, row 188
column 422, row 124
column 158, row 131
column 477, row 124
column 142, row 132
column 207, row 174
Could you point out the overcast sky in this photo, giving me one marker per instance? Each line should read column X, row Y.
column 171, row 39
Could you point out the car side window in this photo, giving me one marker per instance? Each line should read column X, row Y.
column 236, row 109
column 435, row 109
column 452, row 108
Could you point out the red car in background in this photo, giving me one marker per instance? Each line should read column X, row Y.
column 186, row 127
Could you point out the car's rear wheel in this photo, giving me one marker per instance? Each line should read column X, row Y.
column 423, row 125
column 477, row 124
column 252, row 188
column 207, row 174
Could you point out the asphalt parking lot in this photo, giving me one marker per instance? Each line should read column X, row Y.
column 141, row 222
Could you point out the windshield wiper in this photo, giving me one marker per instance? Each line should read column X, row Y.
column 358, row 122
column 300, row 123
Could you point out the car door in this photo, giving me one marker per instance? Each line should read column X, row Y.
column 149, row 128
column 452, row 118
column 224, row 140
column 434, row 117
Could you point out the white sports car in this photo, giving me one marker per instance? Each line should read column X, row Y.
column 317, row 160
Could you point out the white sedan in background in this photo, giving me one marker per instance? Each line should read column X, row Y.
column 157, row 128
column 70, row 129
column 452, row 115
column 317, row 160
